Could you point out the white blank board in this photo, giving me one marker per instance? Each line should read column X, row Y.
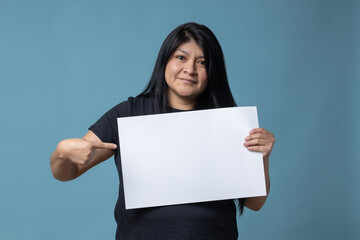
column 187, row 157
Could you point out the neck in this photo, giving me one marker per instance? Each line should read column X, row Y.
column 181, row 103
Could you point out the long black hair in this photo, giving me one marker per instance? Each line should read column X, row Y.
column 217, row 93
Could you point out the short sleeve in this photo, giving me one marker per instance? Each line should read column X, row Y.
column 106, row 127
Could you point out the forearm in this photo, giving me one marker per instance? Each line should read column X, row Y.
column 72, row 157
column 266, row 172
column 62, row 169
column 255, row 203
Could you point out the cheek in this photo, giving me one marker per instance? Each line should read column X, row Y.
column 203, row 78
column 170, row 71
column 167, row 73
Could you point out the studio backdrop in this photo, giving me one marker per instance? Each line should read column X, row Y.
column 65, row 63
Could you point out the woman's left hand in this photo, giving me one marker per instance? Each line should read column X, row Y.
column 260, row 140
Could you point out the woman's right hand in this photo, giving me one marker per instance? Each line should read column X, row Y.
column 73, row 157
column 82, row 151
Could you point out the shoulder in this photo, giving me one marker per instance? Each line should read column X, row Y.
column 139, row 105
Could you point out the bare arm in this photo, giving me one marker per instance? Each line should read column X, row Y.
column 255, row 203
column 73, row 157
column 260, row 140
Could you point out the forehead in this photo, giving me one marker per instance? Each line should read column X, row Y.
column 190, row 48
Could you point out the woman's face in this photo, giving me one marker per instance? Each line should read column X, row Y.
column 185, row 75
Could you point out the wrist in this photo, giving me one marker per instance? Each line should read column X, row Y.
column 266, row 161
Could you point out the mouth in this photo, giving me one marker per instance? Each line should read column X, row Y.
column 188, row 80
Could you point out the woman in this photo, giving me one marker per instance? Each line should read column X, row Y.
column 189, row 74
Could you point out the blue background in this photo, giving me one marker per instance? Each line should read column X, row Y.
column 64, row 63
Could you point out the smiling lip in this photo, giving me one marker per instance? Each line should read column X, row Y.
column 187, row 80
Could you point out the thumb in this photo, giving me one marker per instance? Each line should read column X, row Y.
column 103, row 145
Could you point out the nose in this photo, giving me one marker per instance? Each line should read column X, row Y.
column 190, row 68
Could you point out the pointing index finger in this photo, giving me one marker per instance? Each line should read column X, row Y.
column 103, row 145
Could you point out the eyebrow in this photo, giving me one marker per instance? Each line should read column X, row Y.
column 186, row 53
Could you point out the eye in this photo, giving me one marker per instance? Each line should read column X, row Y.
column 202, row 62
column 180, row 57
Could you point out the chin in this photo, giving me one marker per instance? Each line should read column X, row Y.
column 187, row 95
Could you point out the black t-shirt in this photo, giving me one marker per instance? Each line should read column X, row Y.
column 206, row 220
